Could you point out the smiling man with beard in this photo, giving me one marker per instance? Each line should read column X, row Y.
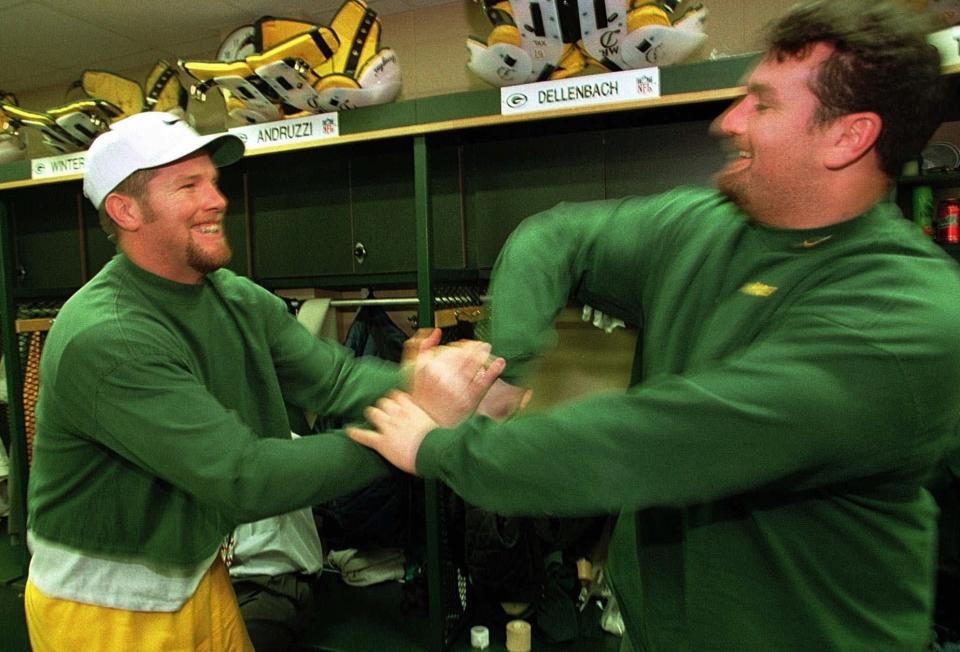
column 797, row 377
column 161, row 420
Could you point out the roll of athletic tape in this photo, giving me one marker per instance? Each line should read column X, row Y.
column 518, row 636
column 479, row 637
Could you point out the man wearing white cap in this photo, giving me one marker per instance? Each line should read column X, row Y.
column 161, row 422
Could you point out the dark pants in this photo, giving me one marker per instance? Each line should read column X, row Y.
column 274, row 609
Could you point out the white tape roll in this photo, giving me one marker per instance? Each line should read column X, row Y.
column 479, row 637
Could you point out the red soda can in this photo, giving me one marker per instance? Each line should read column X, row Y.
column 947, row 225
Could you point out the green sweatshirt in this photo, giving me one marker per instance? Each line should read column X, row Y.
column 791, row 392
column 161, row 422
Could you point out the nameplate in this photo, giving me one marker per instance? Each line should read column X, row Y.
column 590, row 90
column 309, row 129
column 947, row 42
column 64, row 165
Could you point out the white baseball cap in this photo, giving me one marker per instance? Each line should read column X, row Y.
column 148, row 140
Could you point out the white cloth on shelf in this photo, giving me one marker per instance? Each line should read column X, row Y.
column 366, row 567
column 3, row 379
column 316, row 317
column 4, row 484
column 287, row 543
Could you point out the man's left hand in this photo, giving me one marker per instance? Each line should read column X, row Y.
column 449, row 381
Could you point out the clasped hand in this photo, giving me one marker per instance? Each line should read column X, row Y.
column 446, row 384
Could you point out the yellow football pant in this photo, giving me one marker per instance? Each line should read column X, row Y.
column 209, row 621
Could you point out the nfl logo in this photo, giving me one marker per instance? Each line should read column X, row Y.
column 645, row 85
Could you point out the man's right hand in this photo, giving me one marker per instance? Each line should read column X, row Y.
column 400, row 426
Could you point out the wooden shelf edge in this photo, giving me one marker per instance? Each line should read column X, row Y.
column 698, row 97
column 674, row 99
column 20, row 183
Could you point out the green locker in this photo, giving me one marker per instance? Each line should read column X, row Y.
column 509, row 179
column 643, row 160
column 382, row 207
column 45, row 227
column 300, row 214
column 446, row 204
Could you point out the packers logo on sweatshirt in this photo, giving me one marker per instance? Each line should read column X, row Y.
column 758, row 289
